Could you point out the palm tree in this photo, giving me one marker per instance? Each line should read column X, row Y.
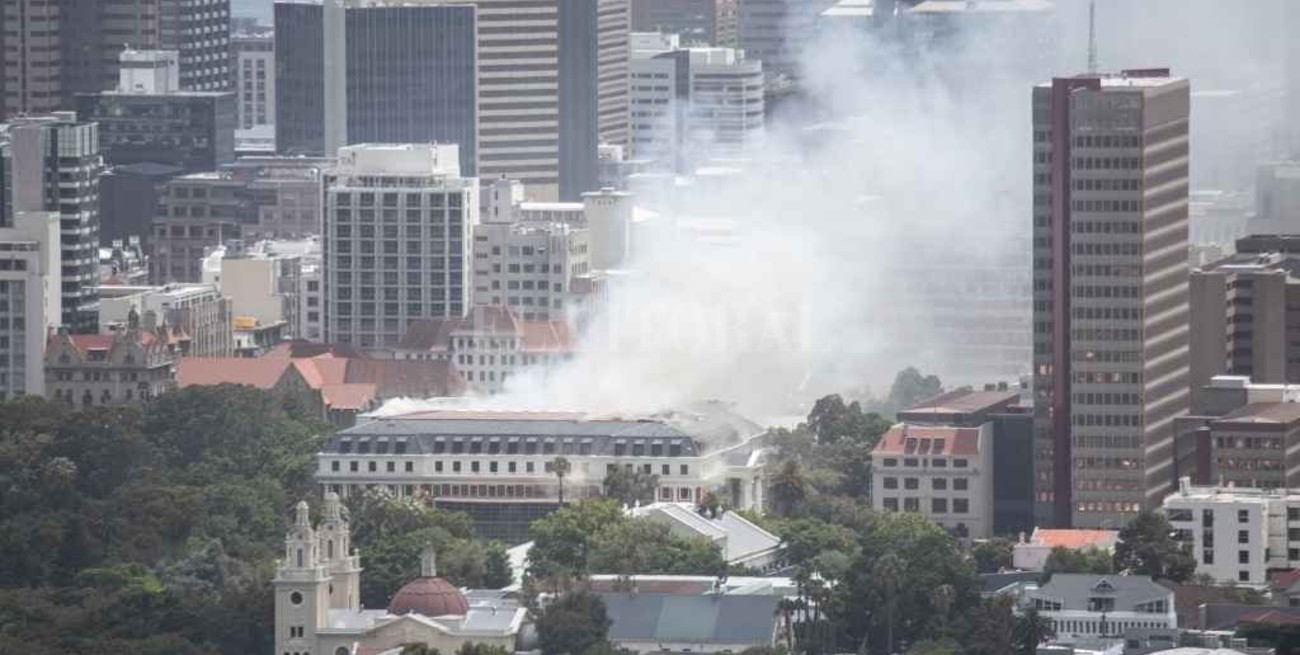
column 560, row 467
column 788, row 488
column 886, row 575
column 786, row 608
column 1031, row 630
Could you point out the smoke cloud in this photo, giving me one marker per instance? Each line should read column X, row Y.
column 882, row 223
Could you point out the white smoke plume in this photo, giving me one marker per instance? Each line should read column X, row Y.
column 895, row 234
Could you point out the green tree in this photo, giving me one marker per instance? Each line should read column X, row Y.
column 787, row 488
column 392, row 532
column 630, row 486
column 1147, row 547
column 806, row 538
column 1084, row 560
column 992, row 555
column 911, row 386
column 419, row 649
column 499, row 573
column 886, row 575
column 632, row 547
column 1031, row 630
column 992, row 627
column 573, row 624
column 562, row 539
column 477, row 648
column 560, row 468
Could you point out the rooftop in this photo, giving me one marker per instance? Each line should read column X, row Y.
column 1074, row 539
column 1144, row 78
column 963, row 401
column 925, row 440
column 1264, row 414
column 722, row 619
column 1075, row 589
column 964, row 6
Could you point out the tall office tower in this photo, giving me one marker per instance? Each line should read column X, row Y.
column 553, row 88
column 1110, row 292
column 254, row 79
column 55, row 168
column 399, row 230
column 776, row 32
column 29, row 39
column 375, row 72
column 698, row 22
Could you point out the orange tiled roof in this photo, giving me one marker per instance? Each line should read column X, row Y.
column 355, row 397
column 1074, row 539
column 260, row 372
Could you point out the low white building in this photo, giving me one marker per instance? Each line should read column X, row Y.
column 30, row 300
column 741, row 541
column 1237, row 534
column 942, row 472
column 1085, row 607
column 1030, row 554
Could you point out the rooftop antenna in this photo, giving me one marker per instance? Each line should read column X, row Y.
column 1092, row 36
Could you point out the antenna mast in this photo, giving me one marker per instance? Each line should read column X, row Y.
column 1092, row 36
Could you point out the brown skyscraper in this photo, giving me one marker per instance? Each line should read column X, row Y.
column 29, row 40
column 1110, row 292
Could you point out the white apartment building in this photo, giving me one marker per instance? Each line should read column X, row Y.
column 398, row 245
column 30, row 300
column 944, row 473
column 1237, row 535
column 488, row 346
column 254, row 79
column 701, row 102
column 527, row 254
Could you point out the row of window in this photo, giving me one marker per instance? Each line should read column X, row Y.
column 513, row 467
column 936, row 462
column 937, row 505
column 938, row 484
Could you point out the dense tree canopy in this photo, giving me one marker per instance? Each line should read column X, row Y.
column 630, row 486
column 594, row 536
column 1084, row 560
column 993, row 555
column 573, row 624
column 1147, row 547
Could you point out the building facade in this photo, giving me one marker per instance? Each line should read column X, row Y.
column 1242, row 318
column 488, row 346
column 776, row 32
column 55, row 165
column 130, row 366
column 196, row 213
column 30, row 300
column 1237, row 535
column 193, row 130
column 198, row 311
column 398, row 243
column 254, row 76
column 1110, row 296
column 376, row 72
column 944, row 473
column 33, row 67
column 1084, row 607
column 699, row 22
column 495, row 465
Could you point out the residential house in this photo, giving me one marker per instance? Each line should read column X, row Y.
column 1031, row 554
column 1085, row 607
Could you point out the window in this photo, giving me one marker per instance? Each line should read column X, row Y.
column 1243, row 516
column 455, row 467
column 960, row 484
column 960, row 506
column 889, row 461
column 295, row 598
column 891, row 504
column 334, row 466
column 374, row 466
column 891, row 483
column 1293, row 553
column 352, row 466
column 1243, row 536
column 911, row 505
column 437, row 467
column 959, row 463
column 685, row 469
column 1243, row 557
column 911, row 483
column 392, row 467
column 938, row 505
column 410, row 467
column 939, row 484
column 1243, row 576
column 664, row 470
column 1293, row 513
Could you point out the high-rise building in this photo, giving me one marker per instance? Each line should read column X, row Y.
column 698, row 101
column 776, row 32
column 1110, row 299
column 29, row 36
column 699, row 22
column 196, row 213
column 352, row 72
column 56, row 165
column 254, row 79
column 399, row 229
column 30, row 300
column 1242, row 321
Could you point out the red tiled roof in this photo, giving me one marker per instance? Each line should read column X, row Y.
column 397, row 377
column 1073, row 539
column 553, row 336
column 85, row 342
column 355, row 397
column 299, row 349
column 260, row 372
column 905, row 439
column 1283, row 580
column 434, row 335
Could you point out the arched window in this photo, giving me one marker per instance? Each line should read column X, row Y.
column 299, row 558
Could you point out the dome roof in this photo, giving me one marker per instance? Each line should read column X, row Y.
column 428, row 596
